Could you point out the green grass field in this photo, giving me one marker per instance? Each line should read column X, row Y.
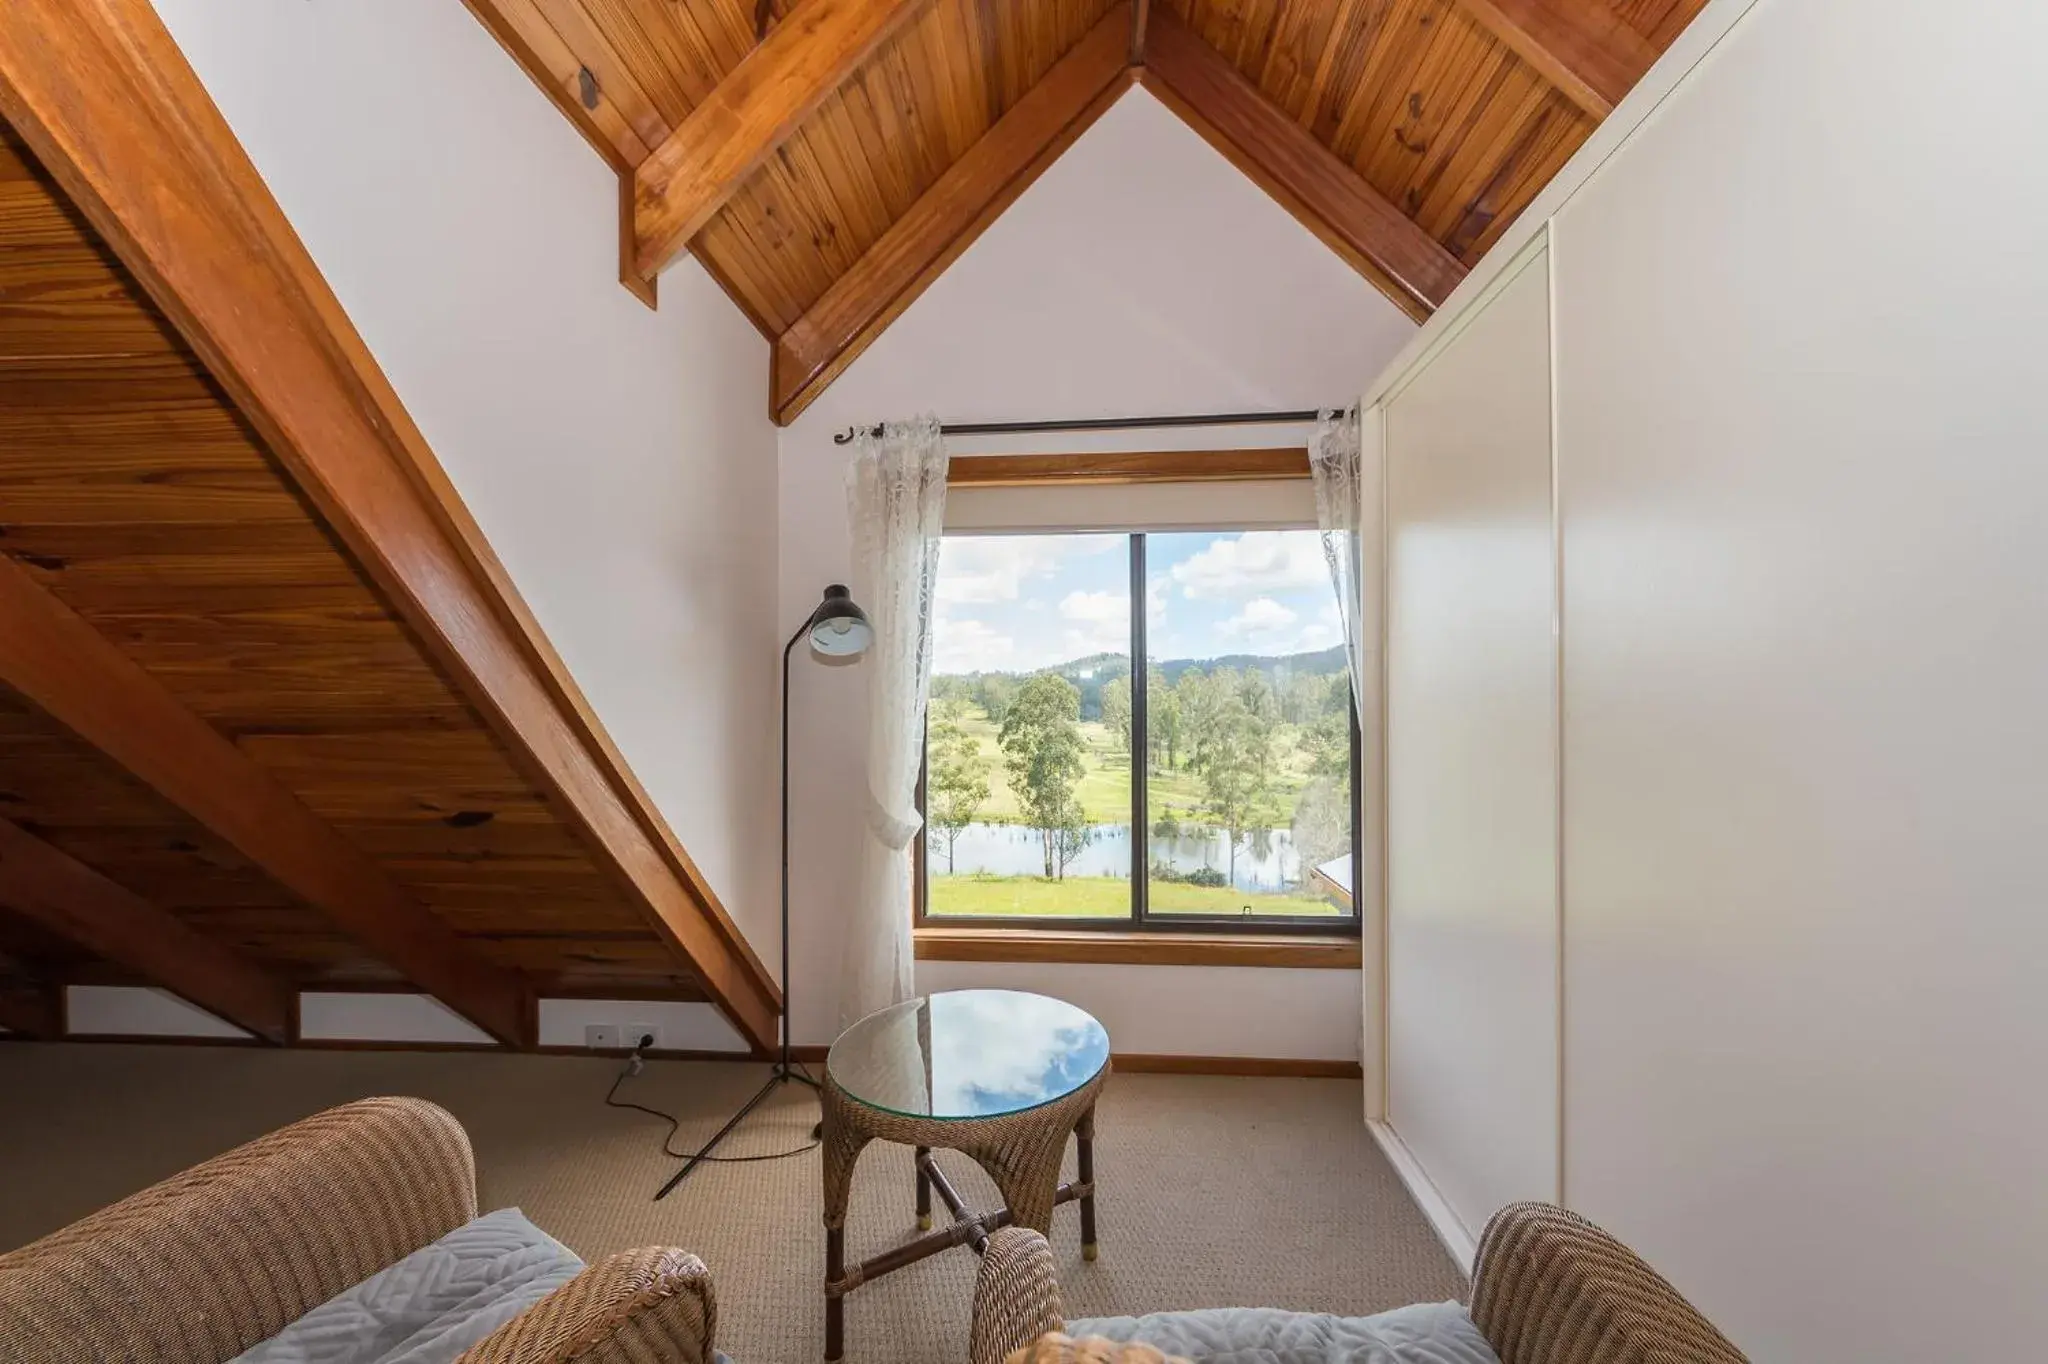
column 1099, row 897
column 1105, row 788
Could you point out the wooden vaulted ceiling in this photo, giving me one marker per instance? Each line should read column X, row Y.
column 271, row 717
column 826, row 159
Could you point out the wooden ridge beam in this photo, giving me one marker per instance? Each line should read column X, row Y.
column 59, row 662
column 107, row 102
column 948, row 217
column 1582, row 47
column 1324, row 194
column 752, row 111
column 76, row 902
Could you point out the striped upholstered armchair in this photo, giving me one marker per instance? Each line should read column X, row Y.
column 1548, row 1287
column 214, row 1261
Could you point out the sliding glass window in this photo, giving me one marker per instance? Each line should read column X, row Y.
column 1244, row 801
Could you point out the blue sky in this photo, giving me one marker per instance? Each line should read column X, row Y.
column 1013, row 603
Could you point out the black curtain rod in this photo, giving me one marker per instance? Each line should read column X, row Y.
column 1101, row 424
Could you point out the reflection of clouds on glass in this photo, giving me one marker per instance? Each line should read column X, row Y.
column 995, row 1051
column 991, row 1052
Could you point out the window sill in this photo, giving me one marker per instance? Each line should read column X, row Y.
column 1138, row 949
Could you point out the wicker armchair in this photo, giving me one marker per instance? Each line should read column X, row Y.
column 1548, row 1287
column 215, row 1260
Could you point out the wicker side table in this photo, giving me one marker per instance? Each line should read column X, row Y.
column 919, row 1056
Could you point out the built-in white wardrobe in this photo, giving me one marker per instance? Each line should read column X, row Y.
column 1716, row 690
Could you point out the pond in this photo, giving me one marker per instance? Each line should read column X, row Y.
column 1266, row 859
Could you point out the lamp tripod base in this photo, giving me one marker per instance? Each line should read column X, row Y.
column 782, row 1073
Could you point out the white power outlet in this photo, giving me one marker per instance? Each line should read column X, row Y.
column 633, row 1032
column 601, row 1036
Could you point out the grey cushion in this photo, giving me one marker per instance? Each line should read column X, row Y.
column 432, row 1305
column 1428, row 1333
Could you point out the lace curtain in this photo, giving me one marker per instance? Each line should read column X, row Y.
column 1334, row 460
column 896, row 493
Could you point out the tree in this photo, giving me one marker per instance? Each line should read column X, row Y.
column 1326, row 737
column 1116, row 711
column 1236, row 765
column 1162, row 720
column 1042, row 752
column 993, row 691
column 1322, row 822
column 1202, row 696
column 956, row 778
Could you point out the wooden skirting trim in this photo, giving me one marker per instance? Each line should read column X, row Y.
column 1146, row 1063
column 1339, row 953
column 1139, row 1063
column 1129, row 466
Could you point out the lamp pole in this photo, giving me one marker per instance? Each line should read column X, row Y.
column 837, row 628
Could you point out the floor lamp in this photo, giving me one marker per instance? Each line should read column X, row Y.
column 839, row 632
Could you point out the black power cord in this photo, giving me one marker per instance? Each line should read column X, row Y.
column 633, row 1065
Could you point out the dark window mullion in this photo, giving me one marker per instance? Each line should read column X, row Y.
column 1141, row 860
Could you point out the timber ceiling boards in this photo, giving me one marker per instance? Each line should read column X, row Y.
column 829, row 164
column 271, row 717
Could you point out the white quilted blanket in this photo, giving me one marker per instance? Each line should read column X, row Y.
column 432, row 1305
column 1427, row 1333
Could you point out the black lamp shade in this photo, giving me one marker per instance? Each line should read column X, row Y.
column 840, row 629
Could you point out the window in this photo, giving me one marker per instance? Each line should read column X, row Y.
column 1216, row 722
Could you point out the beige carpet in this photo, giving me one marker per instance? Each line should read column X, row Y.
column 1214, row 1191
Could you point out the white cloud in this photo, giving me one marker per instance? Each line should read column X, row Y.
column 1266, row 626
column 970, row 646
column 1252, row 564
column 978, row 569
column 1261, row 619
column 1097, row 622
column 1157, row 589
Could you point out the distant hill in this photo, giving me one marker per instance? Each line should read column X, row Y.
column 1091, row 672
column 1318, row 664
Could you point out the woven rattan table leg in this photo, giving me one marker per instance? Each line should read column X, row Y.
column 835, row 1305
column 1084, row 1173
column 924, row 1191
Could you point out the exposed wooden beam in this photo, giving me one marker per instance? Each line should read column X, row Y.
column 750, row 113
column 58, row 661
column 32, row 1010
column 1141, row 16
column 107, row 102
column 1583, row 47
column 1323, row 193
column 71, row 899
column 948, row 217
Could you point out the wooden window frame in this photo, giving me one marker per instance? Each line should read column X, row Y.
column 1140, row 937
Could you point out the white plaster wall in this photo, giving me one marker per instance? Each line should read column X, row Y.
column 1142, row 274
column 138, row 1011
column 618, row 460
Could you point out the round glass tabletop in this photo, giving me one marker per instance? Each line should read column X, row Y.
column 968, row 1054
